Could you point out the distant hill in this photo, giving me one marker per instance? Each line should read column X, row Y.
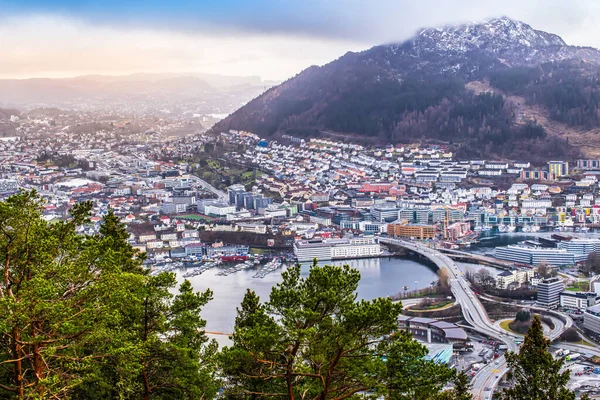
column 494, row 88
column 150, row 88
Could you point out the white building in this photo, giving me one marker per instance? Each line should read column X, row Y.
column 504, row 279
column 332, row 249
column 219, row 209
column 591, row 319
column 577, row 300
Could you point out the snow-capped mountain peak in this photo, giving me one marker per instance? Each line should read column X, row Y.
column 494, row 35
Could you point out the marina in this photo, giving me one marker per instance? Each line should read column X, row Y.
column 379, row 277
column 236, row 268
column 271, row 266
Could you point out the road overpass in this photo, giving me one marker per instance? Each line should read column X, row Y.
column 486, row 380
column 469, row 257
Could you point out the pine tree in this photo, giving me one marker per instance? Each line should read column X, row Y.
column 535, row 373
column 81, row 319
column 314, row 340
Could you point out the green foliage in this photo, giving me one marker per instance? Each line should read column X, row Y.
column 425, row 106
column 569, row 90
column 592, row 264
column 523, row 316
column 80, row 318
column 313, row 340
column 535, row 373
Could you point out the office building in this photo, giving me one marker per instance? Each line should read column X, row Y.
column 534, row 255
column 412, row 231
column 233, row 191
column 336, row 249
column 384, row 214
column 577, row 300
column 591, row 319
column 549, row 290
column 580, row 247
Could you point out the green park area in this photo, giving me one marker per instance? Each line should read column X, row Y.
column 578, row 286
column 196, row 217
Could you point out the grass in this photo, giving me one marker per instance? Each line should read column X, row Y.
column 434, row 307
column 580, row 286
column 504, row 325
column 195, row 217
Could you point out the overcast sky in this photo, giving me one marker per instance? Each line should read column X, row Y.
column 274, row 39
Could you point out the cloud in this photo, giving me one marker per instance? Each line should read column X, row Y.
column 271, row 38
column 68, row 47
column 373, row 21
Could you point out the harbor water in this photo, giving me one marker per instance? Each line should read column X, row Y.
column 380, row 277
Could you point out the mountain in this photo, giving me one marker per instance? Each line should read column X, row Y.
column 192, row 93
column 497, row 87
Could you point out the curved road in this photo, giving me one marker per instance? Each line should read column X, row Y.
column 487, row 378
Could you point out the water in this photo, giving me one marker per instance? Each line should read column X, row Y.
column 469, row 267
column 488, row 241
column 380, row 277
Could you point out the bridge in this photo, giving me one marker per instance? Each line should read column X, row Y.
column 476, row 315
column 476, row 258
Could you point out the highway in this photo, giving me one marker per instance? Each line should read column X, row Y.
column 487, row 379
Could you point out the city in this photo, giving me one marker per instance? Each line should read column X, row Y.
column 242, row 210
column 336, row 201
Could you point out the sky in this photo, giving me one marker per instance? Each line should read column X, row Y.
column 273, row 39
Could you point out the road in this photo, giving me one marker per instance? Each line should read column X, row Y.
column 221, row 195
column 487, row 379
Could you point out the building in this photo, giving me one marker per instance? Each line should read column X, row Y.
column 173, row 208
column 429, row 330
column 457, row 230
column 591, row 319
column 534, row 255
column 412, row 231
column 588, row 164
column 233, row 191
column 515, row 278
column 8, row 185
column 577, row 300
column 194, row 249
column 536, row 175
column 227, row 250
column 335, row 249
column 385, row 214
column 581, row 248
column 219, row 210
column 558, row 168
column 549, row 290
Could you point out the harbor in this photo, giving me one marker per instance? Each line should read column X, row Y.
column 379, row 277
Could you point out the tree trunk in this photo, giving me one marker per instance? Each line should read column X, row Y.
column 18, row 366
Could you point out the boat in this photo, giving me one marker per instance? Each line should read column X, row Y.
column 236, row 268
column 268, row 268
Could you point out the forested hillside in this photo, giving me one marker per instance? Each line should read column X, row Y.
column 417, row 91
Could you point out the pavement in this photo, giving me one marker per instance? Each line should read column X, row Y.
column 475, row 314
column 222, row 196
